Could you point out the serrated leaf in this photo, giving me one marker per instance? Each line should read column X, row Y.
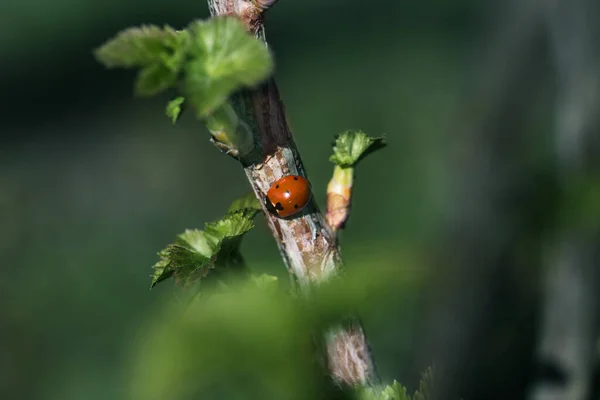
column 197, row 241
column 248, row 200
column 173, row 109
column 137, row 47
column 424, row 392
column 352, row 146
column 158, row 52
column 195, row 253
column 162, row 269
column 224, row 59
column 395, row 392
column 391, row 392
column 233, row 224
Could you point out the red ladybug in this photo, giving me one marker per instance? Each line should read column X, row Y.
column 288, row 196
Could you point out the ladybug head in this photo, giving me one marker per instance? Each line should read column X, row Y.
column 272, row 208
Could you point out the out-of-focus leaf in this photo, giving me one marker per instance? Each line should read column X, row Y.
column 224, row 58
column 159, row 53
column 424, row 392
column 239, row 342
column 138, row 47
column 253, row 339
column 173, row 109
column 154, row 79
column 264, row 281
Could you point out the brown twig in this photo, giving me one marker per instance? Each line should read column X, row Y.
column 307, row 244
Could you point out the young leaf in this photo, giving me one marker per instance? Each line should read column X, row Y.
column 424, row 392
column 248, row 200
column 195, row 253
column 137, row 47
column 396, row 391
column 159, row 53
column 173, row 109
column 224, row 59
column 154, row 79
column 351, row 146
column 393, row 392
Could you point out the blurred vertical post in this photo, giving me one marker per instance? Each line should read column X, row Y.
column 567, row 350
column 485, row 216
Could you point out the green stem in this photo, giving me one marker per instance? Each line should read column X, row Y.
column 343, row 176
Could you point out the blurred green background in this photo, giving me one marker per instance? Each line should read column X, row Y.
column 94, row 182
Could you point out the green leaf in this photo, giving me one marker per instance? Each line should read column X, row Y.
column 224, row 59
column 352, row 146
column 396, row 391
column 260, row 335
column 159, row 53
column 162, row 269
column 218, row 57
column 393, row 392
column 248, row 200
column 424, row 392
column 173, row 109
column 264, row 281
column 138, row 47
column 154, row 79
column 195, row 253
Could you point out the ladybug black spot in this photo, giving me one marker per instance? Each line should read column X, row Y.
column 270, row 206
column 295, row 178
column 295, row 205
column 278, row 206
column 276, row 186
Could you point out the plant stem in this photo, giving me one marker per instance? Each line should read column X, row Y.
column 306, row 242
column 339, row 192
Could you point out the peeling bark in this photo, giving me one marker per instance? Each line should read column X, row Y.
column 306, row 242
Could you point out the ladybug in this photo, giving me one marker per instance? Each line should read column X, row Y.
column 288, row 196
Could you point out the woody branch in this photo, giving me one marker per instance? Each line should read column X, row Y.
column 306, row 242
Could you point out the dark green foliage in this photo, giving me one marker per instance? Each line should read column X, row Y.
column 581, row 203
column 252, row 339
